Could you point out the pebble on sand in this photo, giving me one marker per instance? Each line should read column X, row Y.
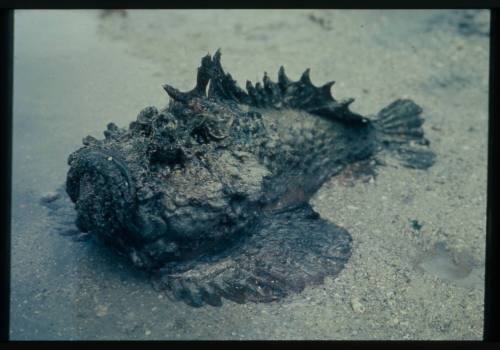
column 356, row 305
column 49, row 197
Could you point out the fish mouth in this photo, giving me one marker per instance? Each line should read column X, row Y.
column 100, row 184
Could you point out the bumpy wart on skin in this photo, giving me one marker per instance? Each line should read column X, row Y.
column 211, row 193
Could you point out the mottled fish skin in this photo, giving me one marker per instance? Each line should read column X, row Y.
column 212, row 191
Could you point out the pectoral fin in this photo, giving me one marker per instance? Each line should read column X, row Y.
column 290, row 250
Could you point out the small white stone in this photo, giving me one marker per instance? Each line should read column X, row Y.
column 147, row 332
column 394, row 321
column 110, row 158
column 357, row 306
column 101, row 310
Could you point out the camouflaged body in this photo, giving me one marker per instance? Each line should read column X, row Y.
column 186, row 188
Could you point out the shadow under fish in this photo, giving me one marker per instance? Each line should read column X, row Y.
column 210, row 194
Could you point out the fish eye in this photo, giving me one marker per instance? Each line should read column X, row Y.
column 212, row 125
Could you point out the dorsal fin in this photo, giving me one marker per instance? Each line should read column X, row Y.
column 301, row 94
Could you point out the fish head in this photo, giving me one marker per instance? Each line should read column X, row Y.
column 172, row 185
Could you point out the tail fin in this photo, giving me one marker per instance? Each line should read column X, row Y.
column 400, row 130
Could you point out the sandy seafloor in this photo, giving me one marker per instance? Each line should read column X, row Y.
column 75, row 71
